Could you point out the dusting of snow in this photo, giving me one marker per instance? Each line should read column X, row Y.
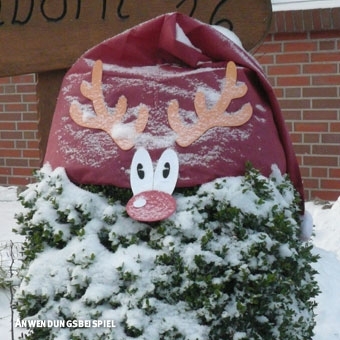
column 181, row 36
column 326, row 240
column 229, row 34
column 260, row 107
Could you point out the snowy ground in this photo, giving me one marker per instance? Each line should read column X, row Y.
column 326, row 242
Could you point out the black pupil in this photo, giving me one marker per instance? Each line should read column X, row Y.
column 166, row 170
column 140, row 171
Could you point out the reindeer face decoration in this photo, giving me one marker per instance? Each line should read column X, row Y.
column 152, row 190
column 150, row 110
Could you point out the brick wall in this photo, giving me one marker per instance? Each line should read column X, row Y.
column 301, row 56
column 19, row 149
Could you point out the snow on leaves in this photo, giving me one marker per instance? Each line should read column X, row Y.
column 228, row 264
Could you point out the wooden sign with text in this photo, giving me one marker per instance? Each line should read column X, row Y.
column 43, row 35
column 47, row 36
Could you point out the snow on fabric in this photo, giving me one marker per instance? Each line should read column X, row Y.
column 165, row 59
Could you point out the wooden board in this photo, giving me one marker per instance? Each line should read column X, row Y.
column 47, row 90
column 38, row 36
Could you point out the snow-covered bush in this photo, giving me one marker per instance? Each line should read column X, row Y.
column 229, row 264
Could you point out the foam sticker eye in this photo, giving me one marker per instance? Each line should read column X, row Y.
column 141, row 172
column 166, row 173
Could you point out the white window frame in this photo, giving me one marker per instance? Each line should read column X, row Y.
column 292, row 5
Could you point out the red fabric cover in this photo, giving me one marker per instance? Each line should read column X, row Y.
column 149, row 65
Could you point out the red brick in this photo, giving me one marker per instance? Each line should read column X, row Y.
column 293, row 92
column 307, row 20
column 317, row 23
column 319, row 172
column 30, row 116
column 330, row 184
column 302, row 149
column 334, row 173
column 292, row 58
column 327, row 45
column 320, row 68
column 310, row 127
column 9, row 89
column 320, row 160
column 10, row 98
column 5, row 171
column 6, row 144
column 33, row 144
column 29, row 98
column 265, row 58
column 19, row 180
column 294, row 103
column 326, row 18
column 5, row 80
column 29, row 134
column 326, row 80
column 33, row 107
column 25, row 78
column 320, row 115
column 20, row 144
column 336, row 17
column 280, row 22
column 292, row 115
column 324, row 91
column 289, row 125
column 22, row 172
column 291, row 36
column 300, row 46
column 298, row 21
column 284, row 69
column 325, row 56
column 325, row 34
column 311, row 138
column 330, row 138
column 296, row 137
column 289, row 21
column 293, row 81
column 5, row 116
column 17, row 162
column 15, row 107
column 278, row 92
column 10, row 134
column 35, row 163
column 305, row 171
column 326, row 103
column 27, row 126
column 326, row 149
column 269, row 48
column 335, row 127
column 325, row 195
column 311, row 182
column 26, row 88
column 11, row 153
column 31, row 153
column 7, row 126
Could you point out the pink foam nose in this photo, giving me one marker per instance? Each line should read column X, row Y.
column 151, row 206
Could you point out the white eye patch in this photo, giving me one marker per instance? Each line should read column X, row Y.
column 143, row 178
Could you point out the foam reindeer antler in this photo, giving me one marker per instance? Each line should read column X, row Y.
column 215, row 117
column 104, row 120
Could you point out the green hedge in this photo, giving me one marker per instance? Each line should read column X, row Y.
column 229, row 264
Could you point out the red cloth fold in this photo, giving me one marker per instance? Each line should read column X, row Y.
column 151, row 64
